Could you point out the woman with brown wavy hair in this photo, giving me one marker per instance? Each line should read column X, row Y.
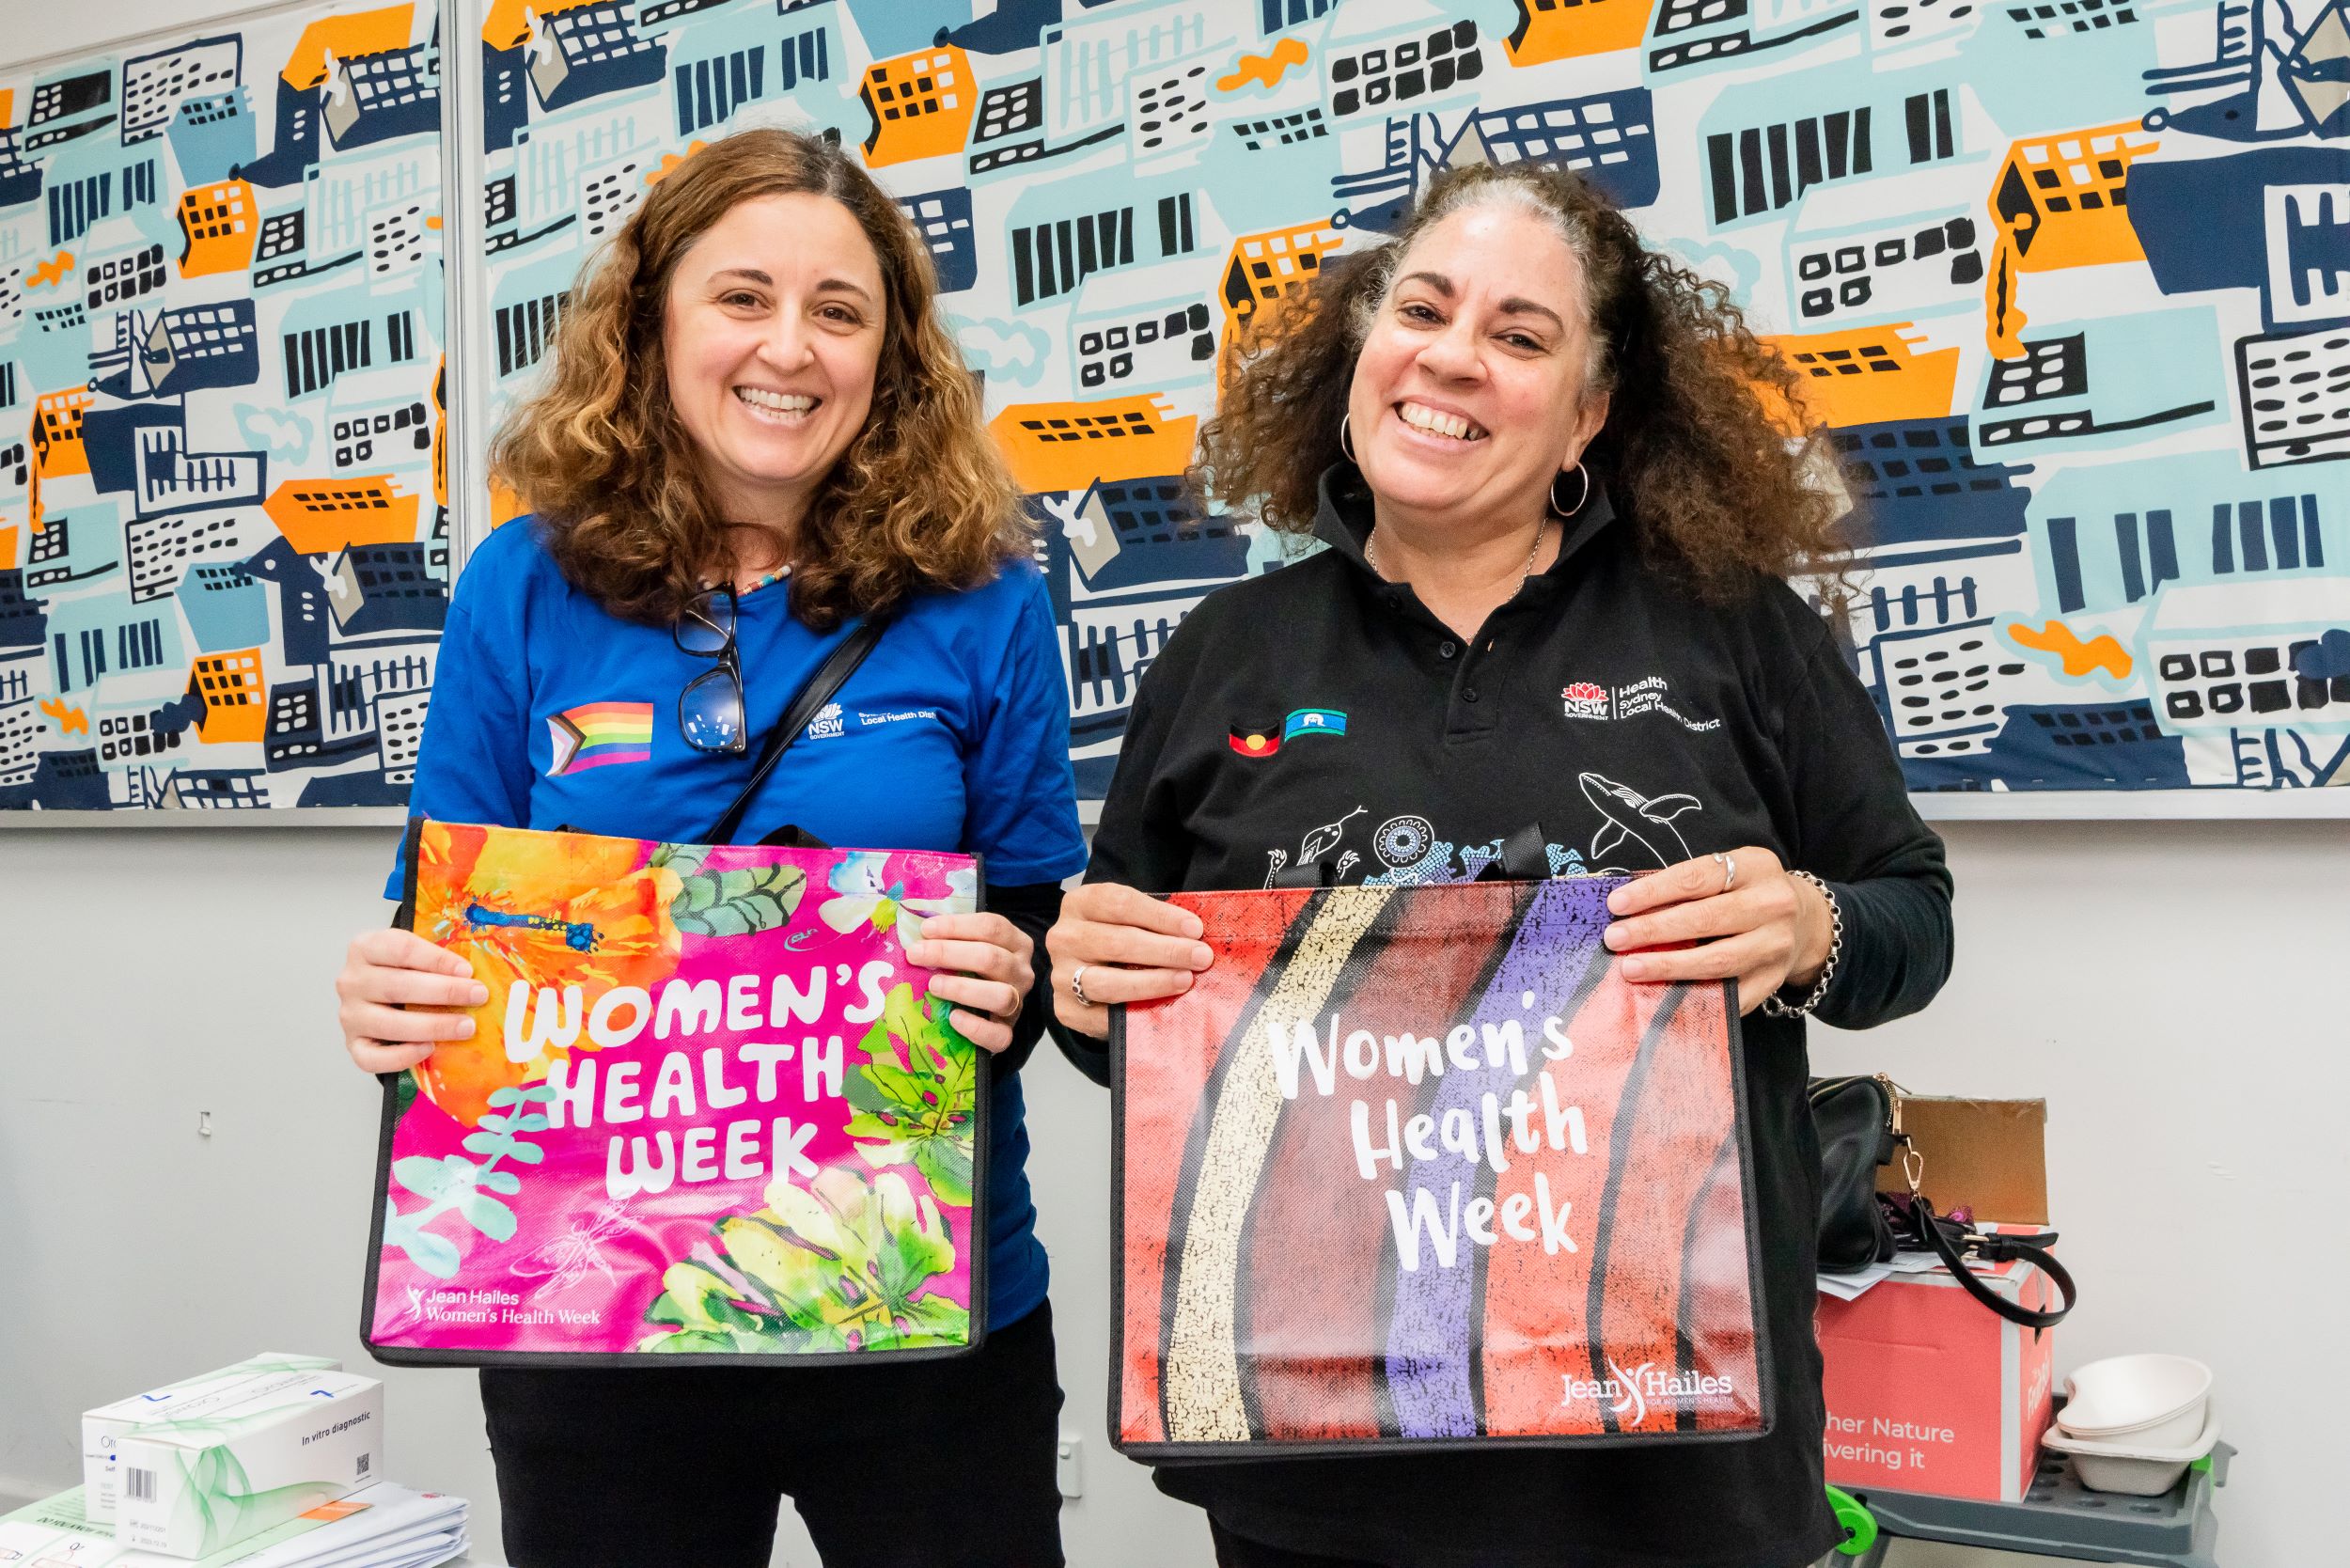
column 756, row 438
column 1549, row 631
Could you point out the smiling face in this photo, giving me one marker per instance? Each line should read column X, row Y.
column 1470, row 393
column 773, row 330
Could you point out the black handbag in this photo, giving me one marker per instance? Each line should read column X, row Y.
column 1858, row 1120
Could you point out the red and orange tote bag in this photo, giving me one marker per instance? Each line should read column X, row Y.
column 1416, row 1166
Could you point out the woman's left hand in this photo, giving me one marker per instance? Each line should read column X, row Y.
column 1767, row 931
column 989, row 970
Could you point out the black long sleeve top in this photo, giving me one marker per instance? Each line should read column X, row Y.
column 1322, row 717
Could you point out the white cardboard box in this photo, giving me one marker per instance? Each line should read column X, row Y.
column 209, row 1483
column 159, row 1409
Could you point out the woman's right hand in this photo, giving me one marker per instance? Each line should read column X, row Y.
column 385, row 969
column 1132, row 946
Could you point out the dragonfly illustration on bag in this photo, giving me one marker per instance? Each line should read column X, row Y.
column 566, row 1260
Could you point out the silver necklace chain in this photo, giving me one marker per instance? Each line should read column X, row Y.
column 1370, row 552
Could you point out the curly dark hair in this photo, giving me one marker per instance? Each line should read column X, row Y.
column 922, row 497
column 1692, row 453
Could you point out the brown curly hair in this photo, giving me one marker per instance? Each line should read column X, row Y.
column 1691, row 453
column 921, row 498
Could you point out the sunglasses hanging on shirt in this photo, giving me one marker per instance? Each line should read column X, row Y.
column 710, row 710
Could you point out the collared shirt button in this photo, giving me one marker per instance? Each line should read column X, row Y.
column 1448, row 648
column 1469, row 696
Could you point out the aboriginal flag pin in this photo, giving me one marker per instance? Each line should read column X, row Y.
column 1251, row 740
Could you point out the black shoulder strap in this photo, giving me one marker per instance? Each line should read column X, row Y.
column 828, row 678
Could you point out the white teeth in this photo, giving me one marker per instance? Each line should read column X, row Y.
column 780, row 402
column 1422, row 417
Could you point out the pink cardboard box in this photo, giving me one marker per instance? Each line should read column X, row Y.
column 1928, row 1390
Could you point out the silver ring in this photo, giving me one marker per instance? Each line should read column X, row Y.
column 1077, row 986
column 1730, row 869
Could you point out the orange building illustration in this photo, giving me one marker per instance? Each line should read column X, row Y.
column 440, row 432
column 321, row 516
column 1261, row 269
column 57, row 448
column 218, row 226
column 1264, row 267
column 1071, row 446
column 1562, row 29
column 921, row 106
column 235, row 698
column 1865, row 376
column 2060, row 201
column 346, row 37
column 508, row 24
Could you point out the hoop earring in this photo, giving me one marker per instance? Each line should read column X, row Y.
column 1565, row 514
column 1344, row 444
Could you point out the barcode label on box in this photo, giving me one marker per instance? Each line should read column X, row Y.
column 362, row 1462
column 139, row 1486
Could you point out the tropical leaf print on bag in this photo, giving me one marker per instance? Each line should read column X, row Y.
column 738, row 902
column 840, row 1264
column 456, row 1184
column 915, row 1097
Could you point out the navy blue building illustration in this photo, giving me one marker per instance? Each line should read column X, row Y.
column 591, row 50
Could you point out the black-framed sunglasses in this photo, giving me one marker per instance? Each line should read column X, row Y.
column 710, row 708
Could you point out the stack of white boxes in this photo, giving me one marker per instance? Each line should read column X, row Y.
column 188, row 1469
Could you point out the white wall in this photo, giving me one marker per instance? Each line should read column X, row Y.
column 2172, row 989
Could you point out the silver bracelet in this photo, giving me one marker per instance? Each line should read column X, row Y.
column 1777, row 1008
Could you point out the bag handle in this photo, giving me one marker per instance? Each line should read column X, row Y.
column 1918, row 1216
column 818, row 690
column 1997, row 1250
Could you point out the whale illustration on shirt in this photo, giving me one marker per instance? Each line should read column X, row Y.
column 1647, row 821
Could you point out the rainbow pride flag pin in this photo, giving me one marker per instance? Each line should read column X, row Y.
column 598, row 733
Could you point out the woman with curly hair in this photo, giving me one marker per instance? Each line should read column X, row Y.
column 756, row 438
column 1558, row 513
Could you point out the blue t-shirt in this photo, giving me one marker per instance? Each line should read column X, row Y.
column 953, row 734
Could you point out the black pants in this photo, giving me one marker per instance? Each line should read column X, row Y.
column 917, row 1465
column 1238, row 1551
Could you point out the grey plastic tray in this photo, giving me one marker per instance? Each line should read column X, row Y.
column 2060, row 1517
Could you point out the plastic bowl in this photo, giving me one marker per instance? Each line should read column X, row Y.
column 2156, row 1402
column 2134, row 1468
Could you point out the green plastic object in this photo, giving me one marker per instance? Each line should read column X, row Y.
column 1860, row 1525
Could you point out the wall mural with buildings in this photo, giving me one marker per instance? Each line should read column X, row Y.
column 2070, row 282
column 223, row 537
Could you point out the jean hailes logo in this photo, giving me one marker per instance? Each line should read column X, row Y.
column 1626, row 1394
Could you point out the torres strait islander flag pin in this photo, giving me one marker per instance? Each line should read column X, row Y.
column 1313, row 721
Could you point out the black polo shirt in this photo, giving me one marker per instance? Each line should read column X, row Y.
column 1319, row 717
